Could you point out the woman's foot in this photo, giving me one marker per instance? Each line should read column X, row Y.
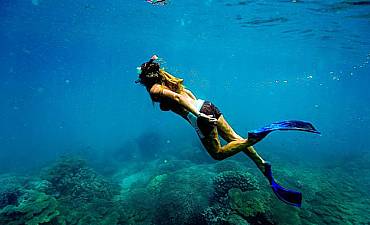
column 267, row 171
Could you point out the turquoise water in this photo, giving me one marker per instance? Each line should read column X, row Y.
column 67, row 88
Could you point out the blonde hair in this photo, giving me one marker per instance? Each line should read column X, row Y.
column 175, row 84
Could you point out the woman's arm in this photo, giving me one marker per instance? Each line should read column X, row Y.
column 161, row 92
column 190, row 94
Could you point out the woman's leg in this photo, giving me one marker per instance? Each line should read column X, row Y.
column 229, row 135
column 226, row 131
column 212, row 144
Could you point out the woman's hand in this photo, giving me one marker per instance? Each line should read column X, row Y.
column 209, row 118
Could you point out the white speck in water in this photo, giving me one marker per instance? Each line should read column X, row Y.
column 316, row 106
column 335, row 78
column 331, row 72
column 168, row 141
column 309, row 77
column 285, row 81
column 321, row 84
column 67, row 81
column 351, row 74
column 165, row 161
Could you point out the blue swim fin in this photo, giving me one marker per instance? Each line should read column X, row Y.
column 290, row 197
column 257, row 135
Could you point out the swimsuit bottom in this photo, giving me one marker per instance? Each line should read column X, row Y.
column 201, row 125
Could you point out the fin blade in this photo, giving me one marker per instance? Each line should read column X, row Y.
column 290, row 197
column 257, row 135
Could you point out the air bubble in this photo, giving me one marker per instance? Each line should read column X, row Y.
column 335, row 78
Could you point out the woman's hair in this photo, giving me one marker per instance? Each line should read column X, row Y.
column 151, row 74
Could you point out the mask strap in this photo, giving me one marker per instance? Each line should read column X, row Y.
column 138, row 70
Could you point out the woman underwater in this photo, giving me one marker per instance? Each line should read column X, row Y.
column 209, row 123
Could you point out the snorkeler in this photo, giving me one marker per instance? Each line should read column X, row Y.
column 157, row 2
column 209, row 123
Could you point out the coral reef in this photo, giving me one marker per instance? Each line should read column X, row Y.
column 71, row 177
column 218, row 215
column 237, row 199
column 85, row 197
column 11, row 189
column 172, row 191
column 31, row 208
column 186, row 190
column 227, row 180
column 332, row 203
column 248, row 204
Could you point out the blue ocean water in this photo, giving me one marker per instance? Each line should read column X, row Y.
column 68, row 70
